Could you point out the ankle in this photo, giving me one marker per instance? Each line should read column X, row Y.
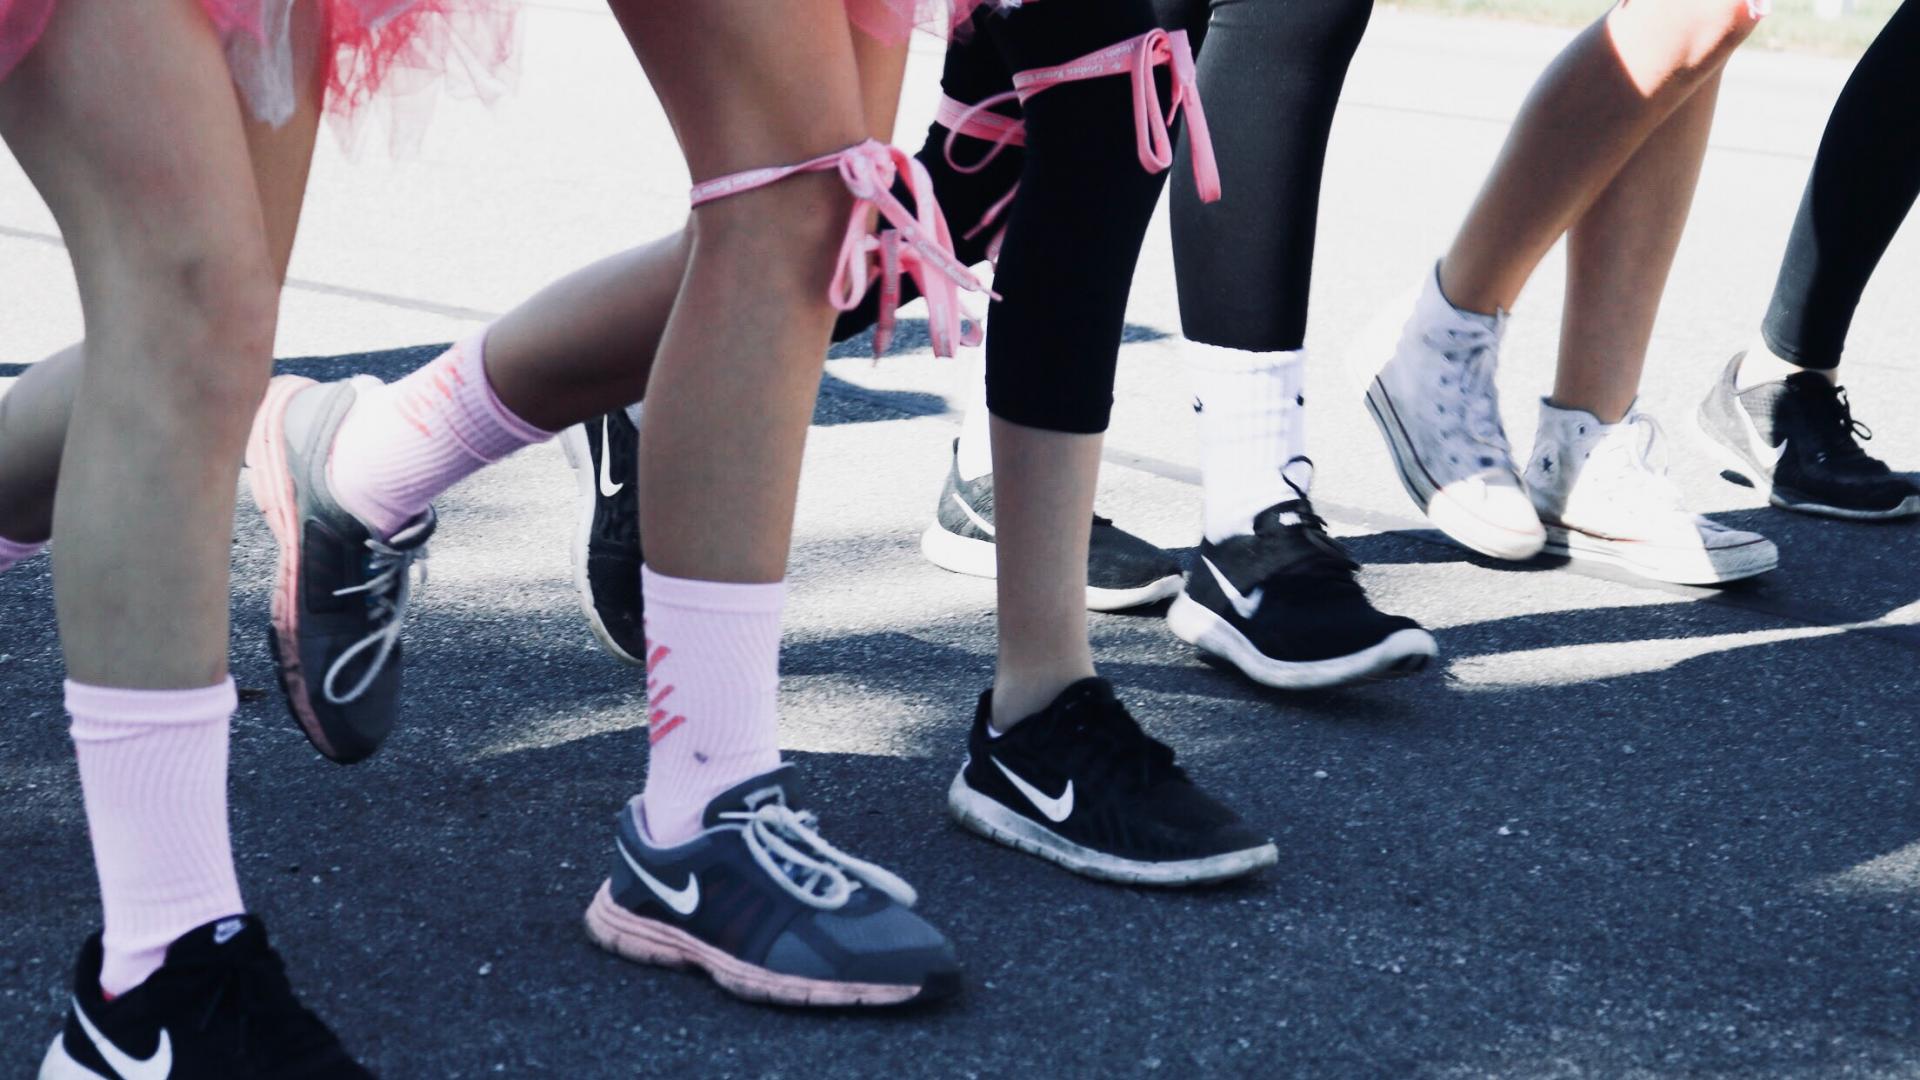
column 1762, row 364
column 1018, row 696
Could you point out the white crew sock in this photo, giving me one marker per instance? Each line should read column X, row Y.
column 1252, row 422
column 1763, row 365
column 976, row 441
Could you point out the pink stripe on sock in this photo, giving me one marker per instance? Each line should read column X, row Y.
column 713, row 679
column 153, row 771
column 13, row 553
column 404, row 444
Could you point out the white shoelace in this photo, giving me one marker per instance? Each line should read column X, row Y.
column 389, row 589
column 1473, row 354
column 786, row 844
column 1645, row 484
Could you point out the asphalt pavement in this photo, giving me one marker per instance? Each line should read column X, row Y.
column 1620, row 831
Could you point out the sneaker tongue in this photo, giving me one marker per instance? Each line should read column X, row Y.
column 1275, row 520
column 219, row 940
column 780, row 785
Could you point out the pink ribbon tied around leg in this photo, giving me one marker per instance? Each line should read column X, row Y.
column 916, row 243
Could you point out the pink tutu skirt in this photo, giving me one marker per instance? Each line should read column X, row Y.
column 371, row 46
column 892, row 20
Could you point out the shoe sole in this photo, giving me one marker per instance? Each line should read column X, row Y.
column 271, row 481
column 985, row 816
column 1470, row 531
column 59, row 1065
column 1399, row 654
column 1737, row 463
column 977, row 558
column 647, row 941
column 573, row 442
column 1725, row 565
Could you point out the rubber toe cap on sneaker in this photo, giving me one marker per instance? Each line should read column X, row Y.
column 1491, row 516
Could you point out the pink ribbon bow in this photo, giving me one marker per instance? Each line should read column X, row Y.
column 916, row 243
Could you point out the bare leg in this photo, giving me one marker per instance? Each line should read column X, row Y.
column 586, row 343
column 1589, row 114
column 35, row 411
column 1044, row 485
column 1618, row 258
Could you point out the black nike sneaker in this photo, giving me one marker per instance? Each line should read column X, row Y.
column 340, row 596
column 1796, row 440
column 769, row 909
column 1123, row 571
column 220, row 1008
column 605, row 455
column 1079, row 784
column 1284, row 607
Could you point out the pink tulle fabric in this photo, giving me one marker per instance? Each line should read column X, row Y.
column 893, row 20
column 372, row 45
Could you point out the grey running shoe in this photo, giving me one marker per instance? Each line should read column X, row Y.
column 1123, row 570
column 340, row 594
column 768, row 908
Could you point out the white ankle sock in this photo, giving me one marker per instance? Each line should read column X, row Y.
column 633, row 412
column 713, row 677
column 976, row 440
column 1252, row 422
column 1763, row 365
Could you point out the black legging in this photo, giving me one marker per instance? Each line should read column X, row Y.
column 1864, row 181
column 1270, row 74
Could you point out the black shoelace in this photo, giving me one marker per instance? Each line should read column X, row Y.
column 1105, row 746
column 1835, row 432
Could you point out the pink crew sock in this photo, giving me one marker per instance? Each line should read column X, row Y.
column 404, row 444
column 153, row 771
column 713, row 674
column 13, row 553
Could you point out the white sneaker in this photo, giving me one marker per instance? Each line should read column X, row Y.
column 1603, row 499
column 1438, row 409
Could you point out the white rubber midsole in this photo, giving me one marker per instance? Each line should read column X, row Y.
column 1192, row 622
column 985, row 816
column 1676, row 566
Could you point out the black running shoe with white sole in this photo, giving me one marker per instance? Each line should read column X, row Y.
column 1079, row 784
column 767, row 908
column 340, row 596
column 1796, row 440
column 605, row 454
column 220, row 1008
column 1283, row 606
column 1123, row 571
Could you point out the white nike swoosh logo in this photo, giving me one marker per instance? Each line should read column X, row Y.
column 1757, row 445
column 1055, row 810
column 979, row 522
column 1246, row 605
column 607, row 487
column 682, row 901
column 156, row 1066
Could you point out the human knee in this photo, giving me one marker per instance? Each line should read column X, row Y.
column 1686, row 37
column 192, row 329
column 785, row 232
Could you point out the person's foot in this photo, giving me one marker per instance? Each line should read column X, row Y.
column 1123, row 571
column 340, row 595
column 1604, row 500
column 1079, row 784
column 1796, row 440
column 220, row 1008
column 606, row 536
column 767, row 908
column 1283, row 606
column 1439, row 412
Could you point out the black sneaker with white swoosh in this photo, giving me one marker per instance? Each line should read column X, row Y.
column 605, row 456
column 1283, row 605
column 220, row 1008
column 767, row 908
column 1081, row 785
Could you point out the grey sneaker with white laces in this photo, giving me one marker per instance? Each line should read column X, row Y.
column 1439, row 412
column 1604, row 494
column 768, row 908
column 340, row 593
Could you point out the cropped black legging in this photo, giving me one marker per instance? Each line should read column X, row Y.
column 1270, row 74
column 1864, row 182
